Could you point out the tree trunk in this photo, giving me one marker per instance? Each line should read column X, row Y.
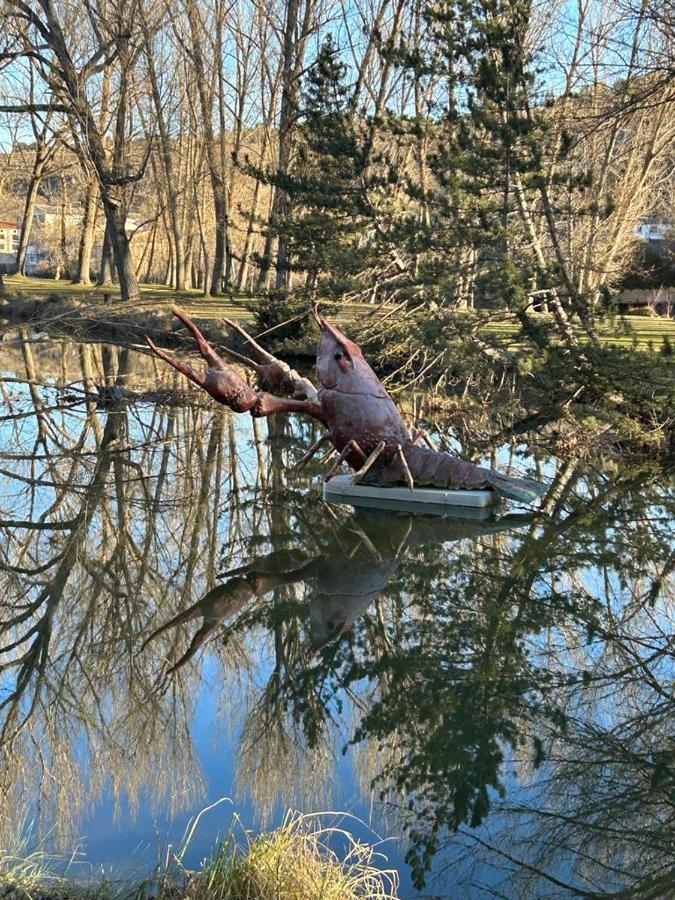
column 189, row 258
column 218, row 184
column 294, row 42
column 121, row 251
column 223, row 220
column 114, row 194
column 172, row 187
column 220, row 251
column 289, row 93
column 105, row 272
column 151, row 254
column 264, row 274
column 64, row 263
column 203, row 246
column 83, row 273
column 41, row 157
column 246, row 252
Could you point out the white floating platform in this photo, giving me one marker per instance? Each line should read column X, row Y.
column 431, row 501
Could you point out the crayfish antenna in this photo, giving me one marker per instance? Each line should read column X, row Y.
column 262, row 355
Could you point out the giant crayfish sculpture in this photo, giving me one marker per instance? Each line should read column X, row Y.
column 362, row 421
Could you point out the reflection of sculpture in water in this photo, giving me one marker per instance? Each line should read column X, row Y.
column 332, row 639
column 363, row 422
column 354, row 565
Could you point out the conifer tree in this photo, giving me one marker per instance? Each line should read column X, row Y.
column 328, row 229
column 482, row 138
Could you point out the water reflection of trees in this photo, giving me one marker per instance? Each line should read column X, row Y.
column 507, row 692
column 109, row 517
column 516, row 681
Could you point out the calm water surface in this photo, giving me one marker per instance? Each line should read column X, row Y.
column 184, row 620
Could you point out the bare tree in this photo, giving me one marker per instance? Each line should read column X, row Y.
column 69, row 68
column 46, row 146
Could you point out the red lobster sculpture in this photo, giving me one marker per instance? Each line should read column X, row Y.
column 363, row 423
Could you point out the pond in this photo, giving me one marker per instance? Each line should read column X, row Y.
column 185, row 620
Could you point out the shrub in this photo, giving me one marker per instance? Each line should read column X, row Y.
column 284, row 317
column 296, row 861
column 303, row 859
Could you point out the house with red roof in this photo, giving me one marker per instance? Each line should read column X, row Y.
column 9, row 242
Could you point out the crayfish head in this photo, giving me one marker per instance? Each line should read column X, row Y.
column 338, row 360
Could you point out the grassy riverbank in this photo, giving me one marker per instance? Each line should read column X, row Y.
column 155, row 299
column 296, row 861
column 639, row 332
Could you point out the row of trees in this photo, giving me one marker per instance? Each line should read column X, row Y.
column 532, row 142
column 406, row 149
column 161, row 107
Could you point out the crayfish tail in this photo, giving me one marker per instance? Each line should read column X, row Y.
column 431, row 467
column 523, row 490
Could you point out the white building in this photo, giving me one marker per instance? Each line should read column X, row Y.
column 51, row 215
column 9, row 242
column 9, row 237
column 653, row 230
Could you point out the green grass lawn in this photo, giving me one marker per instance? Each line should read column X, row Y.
column 153, row 295
column 637, row 331
column 157, row 295
column 626, row 331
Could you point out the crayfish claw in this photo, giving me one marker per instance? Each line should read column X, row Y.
column 206, row 350
column 198, row 377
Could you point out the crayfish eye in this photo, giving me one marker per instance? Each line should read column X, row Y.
column 338, row 354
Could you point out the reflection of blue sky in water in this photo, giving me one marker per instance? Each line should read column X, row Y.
column 115, row 842
column 120, row 839
column 588, row 560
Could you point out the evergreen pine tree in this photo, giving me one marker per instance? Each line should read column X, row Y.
column 330, row 228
